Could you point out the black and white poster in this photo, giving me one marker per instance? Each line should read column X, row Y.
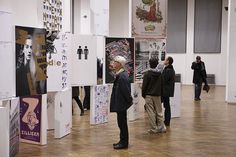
column 146, row 49
column 31, row 61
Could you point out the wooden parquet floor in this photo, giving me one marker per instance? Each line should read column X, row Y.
column 205, row 129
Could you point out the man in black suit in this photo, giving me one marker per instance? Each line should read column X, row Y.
column 121, row 100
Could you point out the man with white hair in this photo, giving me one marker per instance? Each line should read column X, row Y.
column 121, row 100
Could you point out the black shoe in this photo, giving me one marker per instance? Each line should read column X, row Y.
column 120, row 146
column 82, row 113
column 116, row 144
column 197, row 99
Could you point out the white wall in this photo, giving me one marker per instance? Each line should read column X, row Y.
column 215, row 63
column 120, row 18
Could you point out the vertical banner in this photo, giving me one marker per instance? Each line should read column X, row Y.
column 119, row 47
column 133, row 111
column 51, row 103
column 31, row 62
column 149, row 18
column 58, row 58
column 84, row 60
column 175, row 102
column 30, row 119
column 4, row 130
column 100, row 105
column 14, row 127
column 146, row 49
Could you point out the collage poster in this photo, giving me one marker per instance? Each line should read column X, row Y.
column 149, row 18
column 101, row 104
column 146, row 49
column 119, row 47
column 30, row 118
column 31, row 61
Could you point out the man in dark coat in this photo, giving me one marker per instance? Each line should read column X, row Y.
column 151, row 92
column 121, row 100
column 168, row 87
column 199, row 76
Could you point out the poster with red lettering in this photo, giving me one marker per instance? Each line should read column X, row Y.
column 30, row 119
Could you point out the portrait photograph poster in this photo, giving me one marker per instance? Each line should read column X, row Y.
column 31, row 61
column 83, row 55
column 30, row 119
column 146, row 49
column 149, row 18
column 119, row 47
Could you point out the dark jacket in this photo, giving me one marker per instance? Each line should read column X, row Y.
column 151, row 83
column 199, row 74
column 168, row 81
column 121, row 98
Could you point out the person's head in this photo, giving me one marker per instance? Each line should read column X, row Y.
column 27, row 49
column 118, row 63
column 168, row 61
column 153, row 62
column 198, row 59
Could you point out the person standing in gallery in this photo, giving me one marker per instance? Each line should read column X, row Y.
column 168, row 87
column 121, row 100
column 151, row 92
column 75, row 96
column 199, row 76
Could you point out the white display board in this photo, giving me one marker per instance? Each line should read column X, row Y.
column 100, row 17
column 9, row 127
column 175, row 102
column 100, row 104
column 83, row 54
column 63, row 113
column 58, row 63
column 4, row 130
column 7, row 56
column 133, row 111
column 6, row 27
column 52, row 98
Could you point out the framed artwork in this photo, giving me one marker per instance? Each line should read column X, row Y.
column 149, row 18
column 119, row 47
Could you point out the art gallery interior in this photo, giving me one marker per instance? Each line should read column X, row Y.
column 51, row 48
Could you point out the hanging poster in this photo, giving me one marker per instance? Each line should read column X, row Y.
column 84, row 60
column 50, row 14
column 100, row 59
column 101, row 105
column 119, row 47
column 146, row 49
column 14, row 127
column 149, row 18
column 57, row 57
column 31, row 61
column 100, row 17
column 30, row 118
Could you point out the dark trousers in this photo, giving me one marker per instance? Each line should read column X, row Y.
column 166, row 102
column 122, row 124
column 86, row 101
column 198, row 89
column 79, row 103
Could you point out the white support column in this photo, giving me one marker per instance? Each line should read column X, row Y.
column 231, row 55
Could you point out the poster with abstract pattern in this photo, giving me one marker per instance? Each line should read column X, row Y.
column 101, row 104
column 119, row 47
column 149, row 18
column 31, row 61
